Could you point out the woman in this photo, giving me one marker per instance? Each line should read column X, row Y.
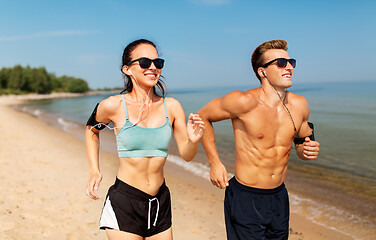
column 138, row 205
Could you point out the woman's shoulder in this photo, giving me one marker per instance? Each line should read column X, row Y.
column 174, row 107
column 172, row 102
column 110, row 104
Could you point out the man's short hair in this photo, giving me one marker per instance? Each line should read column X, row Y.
column 257, row 58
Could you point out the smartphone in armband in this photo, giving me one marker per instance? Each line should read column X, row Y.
column 312, row 136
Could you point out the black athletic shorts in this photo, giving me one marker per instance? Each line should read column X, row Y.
column 131, row 210
column 252, row 213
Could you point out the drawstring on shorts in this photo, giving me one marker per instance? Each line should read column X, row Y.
column 156, row 216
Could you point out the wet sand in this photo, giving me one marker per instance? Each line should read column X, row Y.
column 43, row 179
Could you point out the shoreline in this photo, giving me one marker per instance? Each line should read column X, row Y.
column 302, row 228
column 36, row 96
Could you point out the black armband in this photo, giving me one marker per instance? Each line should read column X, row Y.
column 93, row 122
column 302, row 140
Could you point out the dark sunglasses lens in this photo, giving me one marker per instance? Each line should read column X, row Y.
column 282, row 63
column 293, row 62
column 144, row 62
column 158, row 63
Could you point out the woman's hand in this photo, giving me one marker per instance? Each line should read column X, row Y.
column 93, row 185
column 195, row 128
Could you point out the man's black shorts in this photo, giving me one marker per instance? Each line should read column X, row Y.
column 253, row 213
column 131, row 210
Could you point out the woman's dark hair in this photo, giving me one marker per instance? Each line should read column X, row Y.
column 128, row 84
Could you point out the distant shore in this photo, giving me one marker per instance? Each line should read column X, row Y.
column 197, row 211
column 35, row 96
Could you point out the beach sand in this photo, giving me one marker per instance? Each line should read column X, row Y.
column 43, row 188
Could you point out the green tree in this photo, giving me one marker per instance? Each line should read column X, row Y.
column 56, row 83
column 19, row 79
column 27, row 79
column 15, row 80
column 75, row 85
column 42, row 82
column 4, row 77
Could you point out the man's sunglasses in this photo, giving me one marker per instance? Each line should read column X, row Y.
column 281, row 62
column 146, row 62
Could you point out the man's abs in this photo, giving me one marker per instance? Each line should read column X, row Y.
column 260, row 167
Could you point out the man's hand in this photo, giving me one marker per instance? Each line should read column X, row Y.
column 218, row 175
column 310, row 149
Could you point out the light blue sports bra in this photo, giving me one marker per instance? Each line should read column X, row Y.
column 136, row 141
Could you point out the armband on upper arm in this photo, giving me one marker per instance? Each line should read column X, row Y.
column 302, row 140
column 93, row 122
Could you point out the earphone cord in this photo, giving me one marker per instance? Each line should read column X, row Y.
column 288, row 111
column 146, row 102
column 141, row 110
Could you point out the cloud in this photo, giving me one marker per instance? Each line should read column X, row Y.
column 211, row 2
column 48, row 34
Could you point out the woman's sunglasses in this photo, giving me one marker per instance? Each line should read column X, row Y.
column 146, row 62
column 281, row 62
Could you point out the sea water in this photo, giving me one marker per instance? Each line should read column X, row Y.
column 344, row 115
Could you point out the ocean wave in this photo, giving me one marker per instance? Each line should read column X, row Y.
column 36, row 112
column 65, row 123
column 325, row 215
column 330, row 216
column 198, row 169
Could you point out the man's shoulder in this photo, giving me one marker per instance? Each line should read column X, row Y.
column 299, row 103
column 247, row 95
column 243, row 101
column 296, row 99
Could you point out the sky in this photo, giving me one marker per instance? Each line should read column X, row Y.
column 206, row 43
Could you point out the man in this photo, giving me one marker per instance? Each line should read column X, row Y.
column 265, row 120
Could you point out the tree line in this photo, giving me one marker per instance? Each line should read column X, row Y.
column 20, row 79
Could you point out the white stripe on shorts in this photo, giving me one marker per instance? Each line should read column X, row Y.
column 108, row 218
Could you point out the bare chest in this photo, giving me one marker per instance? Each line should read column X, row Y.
column 272, row 126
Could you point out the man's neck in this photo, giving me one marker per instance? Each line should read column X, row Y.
column 272, row 94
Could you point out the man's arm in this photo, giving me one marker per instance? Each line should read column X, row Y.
column 227, row 107
column 309, row 149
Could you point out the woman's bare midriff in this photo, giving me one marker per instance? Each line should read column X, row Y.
column 143, row 173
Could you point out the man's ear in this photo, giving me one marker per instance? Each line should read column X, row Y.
column 261, row 72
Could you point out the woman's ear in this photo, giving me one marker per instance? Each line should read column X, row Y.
column 125, row 70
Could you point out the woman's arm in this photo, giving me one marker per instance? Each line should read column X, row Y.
column 92, row 149
column 104, row 112
column 187, row 136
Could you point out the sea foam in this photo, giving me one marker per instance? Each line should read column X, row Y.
column 198, row 169
column 65, row 123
